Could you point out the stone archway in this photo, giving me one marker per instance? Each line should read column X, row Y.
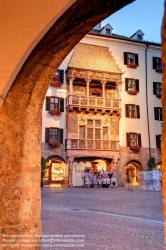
column 21, row 110
column 56, row 171
column 132, row 170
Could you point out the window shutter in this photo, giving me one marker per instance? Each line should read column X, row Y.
column 139, row 140
column 126, row 84
column 47, row 103
column 61, row 75
column 137, row 85
column 161, row 114
column 128, row 139
column 136, row 60
column 138, row 111
column 154, row 63
column 61, row 100
column 125, row 58
column 157, row 141
column 127, row 110
column 61, row 135
column 156, row 113
column 47, row 134
column 154, row 88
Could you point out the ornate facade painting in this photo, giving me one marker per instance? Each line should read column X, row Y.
column 114, row 125
column 81, row 119
column 72, row 123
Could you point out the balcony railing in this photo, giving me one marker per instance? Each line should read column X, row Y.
column 92, row 144
column 93, row 102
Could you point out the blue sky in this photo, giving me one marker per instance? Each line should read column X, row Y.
column 145, row 15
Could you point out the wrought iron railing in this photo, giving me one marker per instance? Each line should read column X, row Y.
column 92, row 101
column 92, row 144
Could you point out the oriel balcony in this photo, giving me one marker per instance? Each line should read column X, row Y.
column 93, row 102
column 92, row 144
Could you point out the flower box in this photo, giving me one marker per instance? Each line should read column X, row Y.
column 56, row 83
column 54, row 144
column 55, row 112
column 132, row 92
column 160, row 70
column 132, row 65
column 135, row 148
column 159, row 95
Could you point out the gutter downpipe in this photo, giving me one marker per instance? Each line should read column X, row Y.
column 147, row 110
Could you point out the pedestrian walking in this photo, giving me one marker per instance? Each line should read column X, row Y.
column 129, row 183
column 113, row 180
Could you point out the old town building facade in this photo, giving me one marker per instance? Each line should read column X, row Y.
column 103, row 109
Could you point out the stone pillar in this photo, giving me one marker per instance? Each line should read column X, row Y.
column 87, row 87
column 70, row 168
column 66, row 175
column 71, row 86
column 118, row 90
column 20, row 171
column 103, row 88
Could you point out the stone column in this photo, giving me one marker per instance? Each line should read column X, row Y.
column 70, row 171
column 87, row 87
column 103, row 88
column 71, row 86
column 118, row 89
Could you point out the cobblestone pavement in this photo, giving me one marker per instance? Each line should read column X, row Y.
column 101, row 219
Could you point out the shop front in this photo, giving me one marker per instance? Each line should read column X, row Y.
column 132, row 171
column 55, row 171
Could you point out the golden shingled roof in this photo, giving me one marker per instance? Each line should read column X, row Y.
column 93, row 57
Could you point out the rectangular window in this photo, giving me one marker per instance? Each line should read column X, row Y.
column 93, row 131
column 158, row 113
column 133, row 139
column 108, row 31
column 53, row 102
column 105, row 133
column 157, row 63
column 53, row 134
column 97, row 133
column 158, row 141
column 156, row 88
column 131, row 84
column 97, row 123
column 139, row 37
column 60, row 75
column 131, row 59
column 90, row 133
column 90, row 123
column 132, row 111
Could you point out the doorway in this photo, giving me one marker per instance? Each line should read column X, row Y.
column 55, row 171
column 132, row 170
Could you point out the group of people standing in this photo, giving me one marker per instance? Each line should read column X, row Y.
column 98, row 179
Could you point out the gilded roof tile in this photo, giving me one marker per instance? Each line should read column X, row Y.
column 93, row 57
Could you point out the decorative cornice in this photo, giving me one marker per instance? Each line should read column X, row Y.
column 91, row 74
column 94, row 111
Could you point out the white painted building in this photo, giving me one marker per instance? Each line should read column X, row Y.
column 138, row 92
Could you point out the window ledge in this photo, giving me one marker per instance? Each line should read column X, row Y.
column 56, row 84
column 132, row 65
column 159, row 96
column 54, row 144
column 55, row 112
column 132, row 92
column 159, row 70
